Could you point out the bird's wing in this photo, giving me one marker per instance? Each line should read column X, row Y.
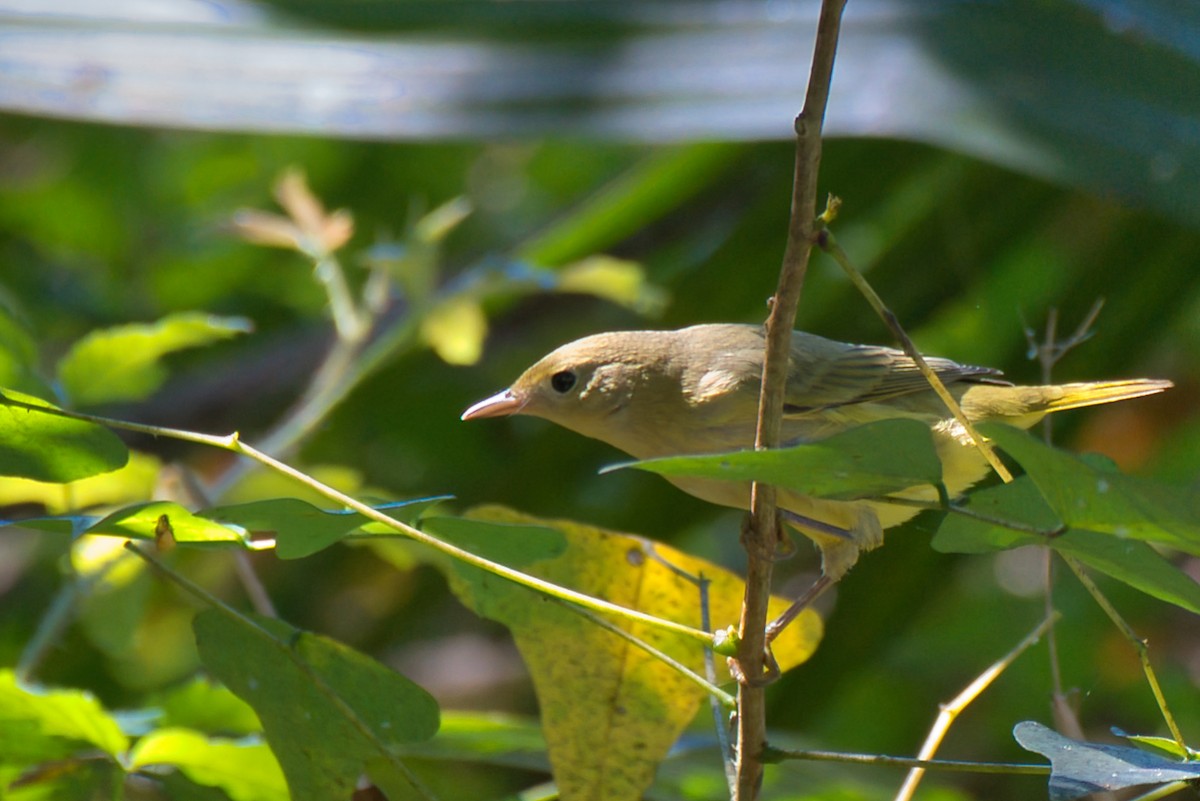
column 828, row 374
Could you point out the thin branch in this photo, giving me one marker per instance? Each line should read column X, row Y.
column 1139, row 645
column 950, row 711
column 830, row 246
column 760, row 539
column 949, row 765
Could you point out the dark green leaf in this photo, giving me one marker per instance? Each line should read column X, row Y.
column 1079, row 768
column 125, row 363
column 1098, row 499
column 50, row 447
column 1135, row 563
column 326, row 709
column 1006, row 516
column 301, row 529
column 866, row 461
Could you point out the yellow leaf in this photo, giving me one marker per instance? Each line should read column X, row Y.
column 455, row 330
column 610, row 711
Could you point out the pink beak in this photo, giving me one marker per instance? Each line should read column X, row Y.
column 501, row 404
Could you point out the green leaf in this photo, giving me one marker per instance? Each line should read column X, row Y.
column 244, row 771
column 620, row 281
column 1079, row 768
column 1022, row 505
column 301, row 529
column 1018, row 504
column 208, row 707
column 124, row 363
column 511, row 543
column 865, row 461
column 146, row 520
column 18, row 358
column 68, row 714
column 1135, row 563
column 1099, row 499
column 50, row 447
column 326, row 709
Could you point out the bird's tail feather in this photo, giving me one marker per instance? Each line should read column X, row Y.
column 1092, row 393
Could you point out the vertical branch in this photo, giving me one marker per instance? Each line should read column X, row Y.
column 760, row 539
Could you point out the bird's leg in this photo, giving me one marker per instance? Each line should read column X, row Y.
column 776, row 626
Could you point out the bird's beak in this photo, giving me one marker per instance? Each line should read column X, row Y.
column 502, row 404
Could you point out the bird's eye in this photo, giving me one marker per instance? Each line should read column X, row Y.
column 562, row 381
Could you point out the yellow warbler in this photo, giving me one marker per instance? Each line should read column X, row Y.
column 695, row 390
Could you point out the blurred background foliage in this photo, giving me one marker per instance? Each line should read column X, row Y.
column 1055, row 165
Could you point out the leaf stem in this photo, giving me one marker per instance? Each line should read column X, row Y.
column 827, row 243
column 950, row 711
column 1139, row 645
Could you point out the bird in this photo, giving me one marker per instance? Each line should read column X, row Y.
column 695, row 390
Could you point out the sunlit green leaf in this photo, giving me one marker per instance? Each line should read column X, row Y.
column 245, row 771
column 49, row 447
column 620, row 281
column 455, row 329
column 69, row 714
column 326, row 709
column 157, row 519
column 865, row 461
column 301, row 529
column 205, row 706
column 124, row 363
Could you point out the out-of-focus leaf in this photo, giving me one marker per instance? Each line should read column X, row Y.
column 117, row 591
column 244, row 771
column 124, row 363
column 301, row 529
column 49, row 447
column 486, row 738
column 133, row 482
column 865, row 461
column 205, row 706
column 1100, row 499
column 1029, row 85
column 610, row 711
column 18, row 358
column 455, row 329
column 327, row 710
column 620, row 281
column 68, row 714
column 1079, row 768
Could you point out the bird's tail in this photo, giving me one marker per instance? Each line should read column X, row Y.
column 1093, row 393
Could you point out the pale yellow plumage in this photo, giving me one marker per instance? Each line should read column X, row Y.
column 695, row 390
